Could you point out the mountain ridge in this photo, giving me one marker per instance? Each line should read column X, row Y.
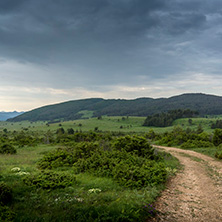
column 6, row 115
column 205, row 104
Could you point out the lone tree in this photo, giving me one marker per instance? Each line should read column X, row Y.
column 190, row 121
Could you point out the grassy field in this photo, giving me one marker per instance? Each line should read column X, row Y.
column 91, row 196
column 204, row 122
column 117, row 124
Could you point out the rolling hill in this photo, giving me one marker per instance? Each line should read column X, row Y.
column 71, row 110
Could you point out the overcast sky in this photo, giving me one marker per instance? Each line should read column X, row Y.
column 58, row 50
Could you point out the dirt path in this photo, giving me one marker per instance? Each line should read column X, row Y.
column 195, row 193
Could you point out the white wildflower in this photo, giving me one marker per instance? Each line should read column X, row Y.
column 22, row 173
column 79, row 199
column 94, row 190
column 15, row 169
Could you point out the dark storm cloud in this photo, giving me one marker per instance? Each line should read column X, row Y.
column 76, row 19
column 104, row 41
column 9, row 6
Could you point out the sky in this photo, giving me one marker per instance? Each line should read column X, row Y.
column 58, row 50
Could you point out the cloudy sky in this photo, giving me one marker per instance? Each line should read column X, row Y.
column 58, row 50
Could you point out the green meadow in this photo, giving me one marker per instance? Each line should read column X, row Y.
column 109, row 124
column 98, row 172
column 47, row 180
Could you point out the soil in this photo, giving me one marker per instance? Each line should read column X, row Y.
column 195, row 193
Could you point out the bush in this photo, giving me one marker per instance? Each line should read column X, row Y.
column 6, row 214
column 49, row 180
column 58, row 158
column 7, row 149
column 5, row 193
column 67, row 156
column 135, row 176
column 196, row 144
column 217, row 137
column 218, row 155
column 135, row 144
column 127, row 169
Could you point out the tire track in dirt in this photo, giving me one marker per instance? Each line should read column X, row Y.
column 195, row 193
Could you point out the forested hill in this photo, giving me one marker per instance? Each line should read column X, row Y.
column 204, row 104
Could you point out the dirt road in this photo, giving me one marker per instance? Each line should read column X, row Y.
column 195, row 193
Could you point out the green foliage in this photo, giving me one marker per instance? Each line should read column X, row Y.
column 196, row 143
column 135, row 144
column 70, row 131
column 151, row 135
column 128, row 178
column 60, row 131
column 127, row 169
column 199, row 129
column 131, row 163
column 128, row 161
column 217, row 125
column 186, row 138
column 5, row 193
column 218, row 155
column 136, row 176
column 217, row 137
column 49, row 180
column 67, row 156
column 190, row 121
column 166, row 119
column 6, row 214
column 25, row 139
column 7, row 149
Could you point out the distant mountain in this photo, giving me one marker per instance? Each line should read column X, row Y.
column 204, row 104
column 6, row 115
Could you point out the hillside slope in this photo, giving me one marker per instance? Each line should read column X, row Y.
column 204, row 104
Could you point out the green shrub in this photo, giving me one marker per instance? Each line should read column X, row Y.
column 135, row 176
column 49, row 180
column 186, row 138
column 5, row 193
column 101, row 163
column 127, row 169
column 135, row 144
column 25, row 139
column 217, row 137
column 7, row 149
column 6, row 214
column 67, row 156
column 196, row 143
column 58, row 158
column 218, row 155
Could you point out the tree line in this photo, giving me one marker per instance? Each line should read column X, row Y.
column 166, row 118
